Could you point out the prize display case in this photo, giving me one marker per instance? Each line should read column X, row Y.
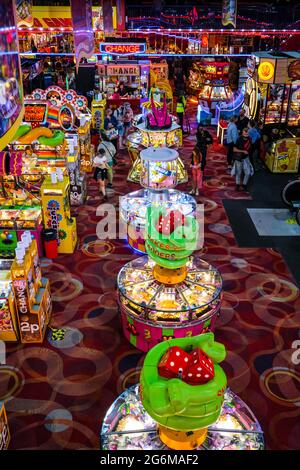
column 134, row 206
column 128, row 426
column 78, row 188
column 56, row 212
column 158, row 168
column 152, row 311
column 137, row 168
column 98, row 113
column 14, row 220
column 161, row 137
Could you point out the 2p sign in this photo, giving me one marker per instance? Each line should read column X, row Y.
column 122, row 48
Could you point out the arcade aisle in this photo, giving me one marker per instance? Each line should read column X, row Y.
column 60, row 391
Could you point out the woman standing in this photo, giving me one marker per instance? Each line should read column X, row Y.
column 197, row 174
column 127, row 120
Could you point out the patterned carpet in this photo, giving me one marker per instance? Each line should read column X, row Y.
column 56, row 394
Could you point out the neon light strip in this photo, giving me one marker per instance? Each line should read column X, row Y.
column 166, row 31
column 154, row 54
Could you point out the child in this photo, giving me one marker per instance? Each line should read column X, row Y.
column 197, row 174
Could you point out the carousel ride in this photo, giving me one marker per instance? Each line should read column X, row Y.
column 182, row 403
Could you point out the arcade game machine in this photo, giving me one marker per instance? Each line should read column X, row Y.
column 182, row 403
column 209, row 81
column 158, row 177
column 273, row 98
column 156, row 129
column 4, row 429
column 98, row 112
column 159, row 82
column 170, row 292
column 55, row 194
column 65, row 143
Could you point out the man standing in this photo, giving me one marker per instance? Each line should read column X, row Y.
column 204, row 139
column 232, row 137
column 255, row 140
column 242, row 163
column 180, row 107
column 242, row 121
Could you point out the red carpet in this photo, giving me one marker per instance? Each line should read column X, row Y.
column 57, row 393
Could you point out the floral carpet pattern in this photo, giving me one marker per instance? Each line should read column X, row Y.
column 57, row 393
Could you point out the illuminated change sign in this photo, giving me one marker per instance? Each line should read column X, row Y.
column 122, row 48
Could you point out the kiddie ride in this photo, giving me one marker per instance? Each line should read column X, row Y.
column 169, row 293
column 182, row 403
column 159, row 171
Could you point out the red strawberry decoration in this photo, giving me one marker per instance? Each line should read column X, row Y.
column 168, row 223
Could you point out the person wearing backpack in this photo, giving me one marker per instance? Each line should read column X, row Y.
column 110, row 152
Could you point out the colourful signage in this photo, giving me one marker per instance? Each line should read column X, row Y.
column 35, row 112
column 24, row 12
column 122, row 48
column 229, row 8
column 11, row 108
column 123, row 70
column 266, row 70
column 82, row 29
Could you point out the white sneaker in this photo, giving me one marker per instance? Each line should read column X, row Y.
column 192, row 192
column 197, row 193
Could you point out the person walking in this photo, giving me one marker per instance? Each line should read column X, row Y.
column 180, row 107
column 232, row 137
column 101, row 171
column 110, row 127
column 119, row 115
column 110, row 152
column 242, row 164
column 204, row 139
column 254, row 135
column 127, row 120
column 242, row 121
column 197, row 174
